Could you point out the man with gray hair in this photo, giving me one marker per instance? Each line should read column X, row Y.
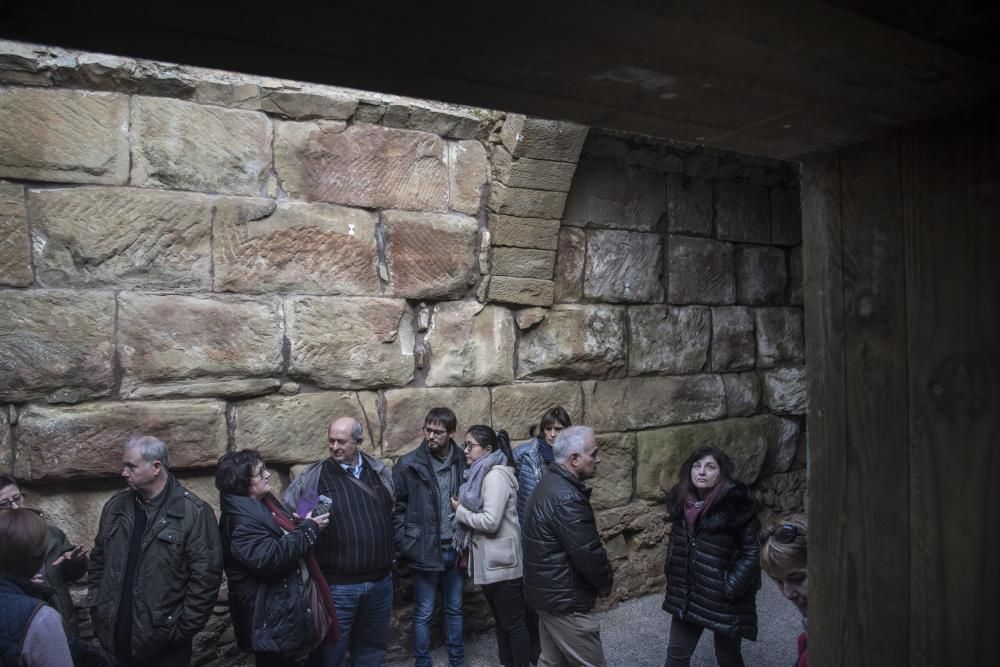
column 156, row 565
column 565, row 564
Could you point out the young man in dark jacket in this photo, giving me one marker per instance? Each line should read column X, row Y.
column 426, row 479
column 565, row 564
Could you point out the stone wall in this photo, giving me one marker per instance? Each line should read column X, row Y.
column 228, row 261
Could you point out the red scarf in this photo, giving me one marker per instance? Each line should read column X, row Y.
column 286, row 524
column 694, row 507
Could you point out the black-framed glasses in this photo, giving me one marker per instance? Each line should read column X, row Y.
column 16, row 499
column 466, row 446
column 434, row 431
column 262, row 473
column 784, row 533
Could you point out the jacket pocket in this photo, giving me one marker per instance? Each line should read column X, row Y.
column 411, row 537
column 165, row 625
column 501, row 553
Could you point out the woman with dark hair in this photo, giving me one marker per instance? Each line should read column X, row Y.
column 64, row 563
column 263, row 550
column 31, row 632
column 712, row 564
column 532, row 458
column 486, row 520
column 784, row 550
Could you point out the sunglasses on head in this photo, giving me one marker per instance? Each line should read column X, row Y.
column 784, row 533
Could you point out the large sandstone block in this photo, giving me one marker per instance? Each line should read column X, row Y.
column 612, row 195
column 786, row 390
column 699, row 271
column 779, row 337
column 187, row 146
column 84, row 441
column 665, row 339
column 543, row 139
column 661, row 452
column 786, row 216
column 405, row 410
column 345, row 343
column 523, row 291
column 783, row 438
column 308, row 104
column 430, row 255
column 56, row 345
column 574, row 342
column 623, row 267
column 77, row 512
column 266, row 246
column 64, row 136
column 742, row 213
column 689, row 205
column 362, row 165
column 524, row 263
column 760, row 275
column 293, row 429
column 742, row 393
column 447, row 120
column 470, row 344
column 173, row 345
column 571, row 260
column 524, row 232
column 15, row 258
column 733, row 342
column 613, row 484
column 525, row 203
column 517, row 408
column 122, row 238
column 533, row 174
column 470, row 171
column 643, row 402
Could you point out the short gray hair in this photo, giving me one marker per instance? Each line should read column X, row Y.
column 572, row 440
column 150, row 448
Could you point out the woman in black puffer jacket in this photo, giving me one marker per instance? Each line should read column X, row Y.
column 712, row 565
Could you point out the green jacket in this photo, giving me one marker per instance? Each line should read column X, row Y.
column 58, row 578
column 177, row 576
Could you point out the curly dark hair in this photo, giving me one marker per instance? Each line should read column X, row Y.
column 235, row 471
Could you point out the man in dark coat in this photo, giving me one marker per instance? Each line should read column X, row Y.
column 565, row 564
column 426, row 479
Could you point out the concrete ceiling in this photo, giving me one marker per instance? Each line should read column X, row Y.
column 777, row 78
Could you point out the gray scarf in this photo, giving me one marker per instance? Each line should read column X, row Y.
column 470, row 494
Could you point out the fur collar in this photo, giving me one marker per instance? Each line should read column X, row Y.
column 731, row 511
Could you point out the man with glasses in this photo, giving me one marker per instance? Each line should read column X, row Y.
column 426, row 480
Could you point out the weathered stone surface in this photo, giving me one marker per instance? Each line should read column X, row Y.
column 169, row 339
column 742, row 213
column 84, row 136
column 524, row 203
column 57, row 345
column 5, row 449
column 661, row 452
column 303, row 104
column 623, row 267
column 643, row 402
column 517, row 408
column 405, row 410
column 186, row 146
column 430, row 255
column 701, row 164
column 524, row 232
column 84, row 441
column 785, row 390
column 786, row 216
column 665, row 339
column 689, row 205
column 612, row 195
column 779, row 337
column 344, row 343
column 524, row 291
column 742, row 394
column 266, row 246
column 571, row 261
column 574, row 342
column 470, row 344
column 524, row 263
column 76, row 512
column 543, row 139
column 361, row 165
column 783, row 437
column 470, row 170
column 121, row 238
column 529, row 317
column 760, row 275
column 699, row 271
column 233, row 95
column 293, row 429
column 795, row 276
column 446, row 120
column 15, row 259
column 533, row 174
column 613, row 484
column 733, row 342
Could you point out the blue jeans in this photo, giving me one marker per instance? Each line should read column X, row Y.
column 363, row 611
column 425, row 588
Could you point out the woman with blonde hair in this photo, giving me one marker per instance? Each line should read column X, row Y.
column 784, row 549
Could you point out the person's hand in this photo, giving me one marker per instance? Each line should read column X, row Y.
column 322, row 521
column 77, row 553
column 38, row 580
column 454, row 503
column 296, row 518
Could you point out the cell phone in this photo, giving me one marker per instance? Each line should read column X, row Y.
column 323, row 506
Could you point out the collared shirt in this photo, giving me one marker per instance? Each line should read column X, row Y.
column 354, row 470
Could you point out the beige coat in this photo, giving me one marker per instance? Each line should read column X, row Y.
column 496, row 534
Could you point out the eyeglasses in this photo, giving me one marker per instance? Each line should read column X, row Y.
column 434, row 431
column 469, row 445
column 16, row 499
column 784, row 533
column 262, row 473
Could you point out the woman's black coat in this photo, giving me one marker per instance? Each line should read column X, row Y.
column 713, row 572
column 262, row 561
